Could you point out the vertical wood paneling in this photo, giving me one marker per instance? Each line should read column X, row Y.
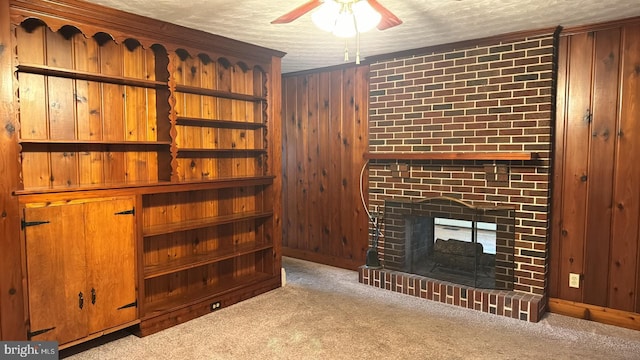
column 33, row 110
column 191, row 135
column 326, row 135
column 12, row 322
column 360, row 145
column 225, row 112
column 209, row 135
column 336, row 134
column 302, row 185
column 324, row 161
column 271, row 87
column 61, row 108
column 312, row 162
column 111, row 63
column 140, row 166
column 88, row 110
column 289, row 155
column 600, row 176
column 576, row 163
column 624, row 247
column 60, row 91
column 348, row 184
column 598, row 229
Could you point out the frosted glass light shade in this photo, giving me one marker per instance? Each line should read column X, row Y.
column 366, row 17
column 345, row 18
column 345, row 25
column 326, row 15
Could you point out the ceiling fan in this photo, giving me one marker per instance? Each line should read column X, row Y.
column 388, row 19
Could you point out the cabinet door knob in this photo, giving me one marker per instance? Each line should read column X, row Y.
column 80, row 300
column 93, row 296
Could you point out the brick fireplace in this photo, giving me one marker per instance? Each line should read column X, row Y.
column 491, row 96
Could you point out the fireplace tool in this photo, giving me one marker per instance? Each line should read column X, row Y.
column 372, row 253
column 372, row 261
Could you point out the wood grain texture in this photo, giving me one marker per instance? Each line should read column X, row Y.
column 12, row 320
column 111, row 263
column 325, row 138
column 93, row 18
column 57, row 273
column 623, row 271
column 560, row 129
column 576, row 164
column 595, row 229
column 289, row 160
column 271, row 86
column 100, row 113
column 630, row 320
column 600, row 175
column 498, row 155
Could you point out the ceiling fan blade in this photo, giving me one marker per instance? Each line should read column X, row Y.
column 388, row 18
column 297, row 12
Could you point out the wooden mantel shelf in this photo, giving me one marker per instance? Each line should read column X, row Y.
column 496, row 155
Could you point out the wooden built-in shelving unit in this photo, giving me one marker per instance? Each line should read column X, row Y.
column 172, row 138
column 204, row 222
column 88, row 76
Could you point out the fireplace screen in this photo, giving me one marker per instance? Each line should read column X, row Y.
column 447, row 239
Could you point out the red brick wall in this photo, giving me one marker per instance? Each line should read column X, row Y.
column 485, row 98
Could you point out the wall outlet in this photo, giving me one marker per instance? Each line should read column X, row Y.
column 574, row 280
column 215, row 306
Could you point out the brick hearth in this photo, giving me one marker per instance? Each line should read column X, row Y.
column 517, row 305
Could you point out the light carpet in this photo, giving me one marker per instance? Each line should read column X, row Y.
column 325, row 313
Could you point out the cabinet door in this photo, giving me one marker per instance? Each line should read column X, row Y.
column 56, row 272
column 111, row 277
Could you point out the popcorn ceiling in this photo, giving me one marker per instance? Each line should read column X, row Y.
column 426, row 23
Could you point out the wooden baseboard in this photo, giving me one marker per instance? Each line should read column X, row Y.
column 599, row 314
column 349, row 264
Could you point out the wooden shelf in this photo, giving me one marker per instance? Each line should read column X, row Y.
column 227, row 152
column 155, row 187
column 451, row 156
column 204, row 223
column 194, row 261
column 225, row 124
column 159, row 307
column 93, row 142
column 85, row 75
column 218, row 93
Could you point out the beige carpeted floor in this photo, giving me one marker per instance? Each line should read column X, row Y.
column 324, row 313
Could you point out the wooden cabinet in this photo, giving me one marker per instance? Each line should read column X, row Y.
column 111, row 108
column 80, row 267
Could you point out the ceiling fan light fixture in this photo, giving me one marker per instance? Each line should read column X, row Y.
column 366, row 17
column 326, row 15
column 346, row 18
column 345, row 26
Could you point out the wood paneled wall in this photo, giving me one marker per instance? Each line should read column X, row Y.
column 596, row 200
column 11, row 305
column 325, row 137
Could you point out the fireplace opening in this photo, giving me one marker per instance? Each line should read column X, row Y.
column 449, row 240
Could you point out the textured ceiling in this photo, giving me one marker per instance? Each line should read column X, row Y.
column 426, row 23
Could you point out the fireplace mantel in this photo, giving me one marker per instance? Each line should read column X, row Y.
column 495, row 155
